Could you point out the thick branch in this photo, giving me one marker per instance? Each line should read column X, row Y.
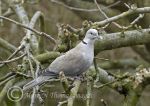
column 7, row 46
column 110, row 41
column 123, row 39
column 47, row 57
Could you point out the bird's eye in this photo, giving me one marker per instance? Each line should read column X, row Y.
column 91, row 33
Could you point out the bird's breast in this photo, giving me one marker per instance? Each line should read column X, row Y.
column 88, row 57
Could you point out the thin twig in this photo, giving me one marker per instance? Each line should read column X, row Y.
column 12, row 75
column 124, row 14
column 127, row 5
column 135, row 21
column 12, row 60
column 89, row 92
column 37, row 66
column 62, row 103
column 33, row 30
column 104, row 14
column 70, row 28
column 104, row 102
column 7, row 76
column 17, row 51
column 73, row 8
column 7, row 79
column 8, row 13
column 33, row 97
column 101, row 58
column 22, row 74
column 64, row 82
column 36, row 75
column 13, row 54
column 97, row 72
column 33, row 75
column 5, row 89
column 117, row 79
column 74, row 91
column 31, row 66
column 101, row 11
column 84, row 10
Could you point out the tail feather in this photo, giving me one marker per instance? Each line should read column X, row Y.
column 38, row 81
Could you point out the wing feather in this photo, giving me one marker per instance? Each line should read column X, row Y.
column 72, row 63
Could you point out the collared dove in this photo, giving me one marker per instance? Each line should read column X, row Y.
column 72, row 63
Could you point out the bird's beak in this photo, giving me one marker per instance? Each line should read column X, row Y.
column 99, row 37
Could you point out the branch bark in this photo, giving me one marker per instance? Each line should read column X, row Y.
column 6, row 45
column 109, row 41
column 124, row 14
column 122, row 39
column 73, row 92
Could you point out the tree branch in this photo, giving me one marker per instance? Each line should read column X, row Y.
column 74, row 92
column 124, row 14
column 6, row 45
column 33, row 30
column 122, row 39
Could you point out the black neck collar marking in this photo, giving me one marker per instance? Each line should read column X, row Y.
column 84, row 42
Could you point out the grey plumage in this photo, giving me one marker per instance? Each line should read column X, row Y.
column 72, row 63
column 35, row 82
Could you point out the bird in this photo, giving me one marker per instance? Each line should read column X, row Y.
column 73, row 63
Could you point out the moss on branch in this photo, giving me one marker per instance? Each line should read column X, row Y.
column 47, row 57
column 6, row 45
column 123, row 39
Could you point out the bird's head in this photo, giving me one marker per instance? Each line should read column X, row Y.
column 92, row 35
